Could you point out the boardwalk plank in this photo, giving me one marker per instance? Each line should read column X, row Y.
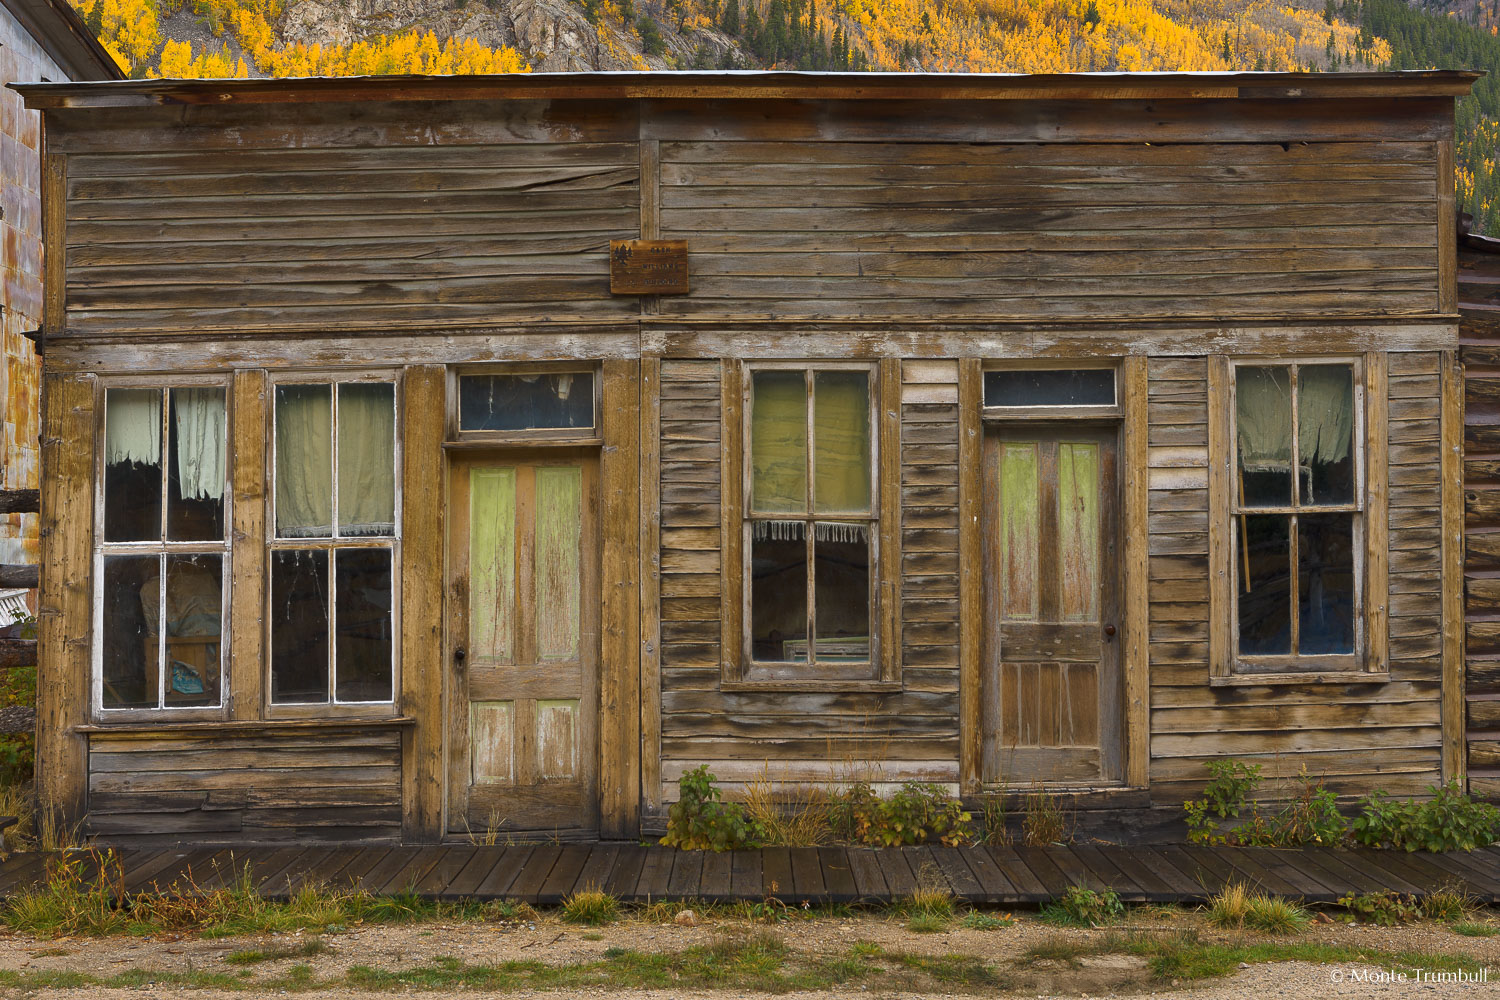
column 869, row 882
column 1172, row 865
column 687, row 875
column 622, row 878
column 1479, row 875
column 1207, row 867
column 564, row 874
column 273, row 877
column 994, row 887
column 596, row 869
column 377, row 879
column 436, row 882
column 776, row 872
column 807, row 874
column 1107, row 874
column 1418, row 870
column 354, row 873
column 165, row 870
column 716, row 882
column 1053, row 880
column 656, row 873
column 528, row 885
column 951, row 862
column 325, row 872
column 925, row 868
column 1140, row 874
column 838, row 875
column 1073, row 868
column 497, row 883
column 744, row 876
column 1275, row 861
column 31, row 869
column 1340, row 874
column 1029, row 888
column 466, row 882
column 899, row 879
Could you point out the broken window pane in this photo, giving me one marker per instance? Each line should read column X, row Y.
column 367, row 458
column 523, row 402
column 1325, row 433
column 299, row 625
column 778, row 591
column 1263, row 423
column 778, row 442
column 1325, row 581
column 1263, row 564
column 193, row 618
column 841, row 442
column 132, row 465
column 841, row 588
column 363, row 616
column 195, row 464
column 131, row 648
column 304, row 461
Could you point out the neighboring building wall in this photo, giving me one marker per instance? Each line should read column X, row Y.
column 21, row 59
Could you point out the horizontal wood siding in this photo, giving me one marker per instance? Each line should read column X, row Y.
column 1359, row 736
column 340, row 785
column 455, row 220
column 819, row 227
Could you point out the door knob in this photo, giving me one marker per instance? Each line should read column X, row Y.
column 459, row 656
column 1109, row 630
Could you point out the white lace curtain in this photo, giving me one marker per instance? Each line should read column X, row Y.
column 132, row 434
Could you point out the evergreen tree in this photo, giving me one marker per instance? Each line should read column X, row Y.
column 731, row 21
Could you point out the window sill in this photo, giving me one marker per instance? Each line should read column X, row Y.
column 1270, row 678
column 812, row 685
column 245, row 725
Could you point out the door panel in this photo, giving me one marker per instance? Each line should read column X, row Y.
column 1050, row 684
column 523, row 637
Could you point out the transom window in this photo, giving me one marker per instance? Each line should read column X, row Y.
column 161, row 553
column 1298, row 505
column 332, row 549
column 811, row 520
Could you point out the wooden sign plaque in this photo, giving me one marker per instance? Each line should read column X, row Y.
column 648, row 267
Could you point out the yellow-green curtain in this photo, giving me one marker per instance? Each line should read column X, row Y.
column 778, row 442
column 304, row 461
column 367, row 458
column 1325, row 413
column 1263, row 418
column 841, row 441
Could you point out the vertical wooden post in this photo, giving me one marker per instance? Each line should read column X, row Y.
column 1377, row 514
column 1220, row 576
column 650, row 584
column 731, row 530
column 423, row 503
column 66, row 613
column 889, row 607
column 1452, row 499
column 1447, row 226
column 1135, row 525
column 620, row 607
column 54, row 240
column 247, row 588
column 970, row 574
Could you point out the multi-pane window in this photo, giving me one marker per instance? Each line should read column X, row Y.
column 332, row 548
column 810, row 516
column 161, row 551
column 1298, row 506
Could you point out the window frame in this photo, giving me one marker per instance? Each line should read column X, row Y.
column 1368, row 511
column 541, row 437
column 882, row 670
column 273, row 543
column 160, row 547
column 1053, row 411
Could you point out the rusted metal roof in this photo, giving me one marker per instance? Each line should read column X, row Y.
column 752, row 85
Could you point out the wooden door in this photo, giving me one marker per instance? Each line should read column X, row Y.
column 523, row 642
column 1051, row 684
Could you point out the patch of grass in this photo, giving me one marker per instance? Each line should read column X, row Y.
column 866, row 949
column 51, row 953
column 789, row 815
column 1230, row 908
column 927, row 923
column 979, row 920
column 1063, row 950
column 593, row 936
column 508, row 911
column 276, row 952
column 592, row 907
column 924, row 901
column 1472, row 928
column 1083, row 907
column 1449, row 903
column 952, row 970
column 1237, row 908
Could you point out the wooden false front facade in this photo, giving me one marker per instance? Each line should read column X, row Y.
column 1073, row 430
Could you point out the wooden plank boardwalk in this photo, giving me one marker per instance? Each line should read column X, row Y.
column 545, row 874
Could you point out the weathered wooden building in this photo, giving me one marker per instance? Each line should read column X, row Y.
column 979, row 430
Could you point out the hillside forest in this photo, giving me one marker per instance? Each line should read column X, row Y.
column 242, row 38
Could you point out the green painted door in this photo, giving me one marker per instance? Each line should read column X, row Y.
column 1050, row 685
column 524, row 638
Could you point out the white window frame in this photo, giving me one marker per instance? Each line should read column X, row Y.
column 161, row 548
column 331, row 543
